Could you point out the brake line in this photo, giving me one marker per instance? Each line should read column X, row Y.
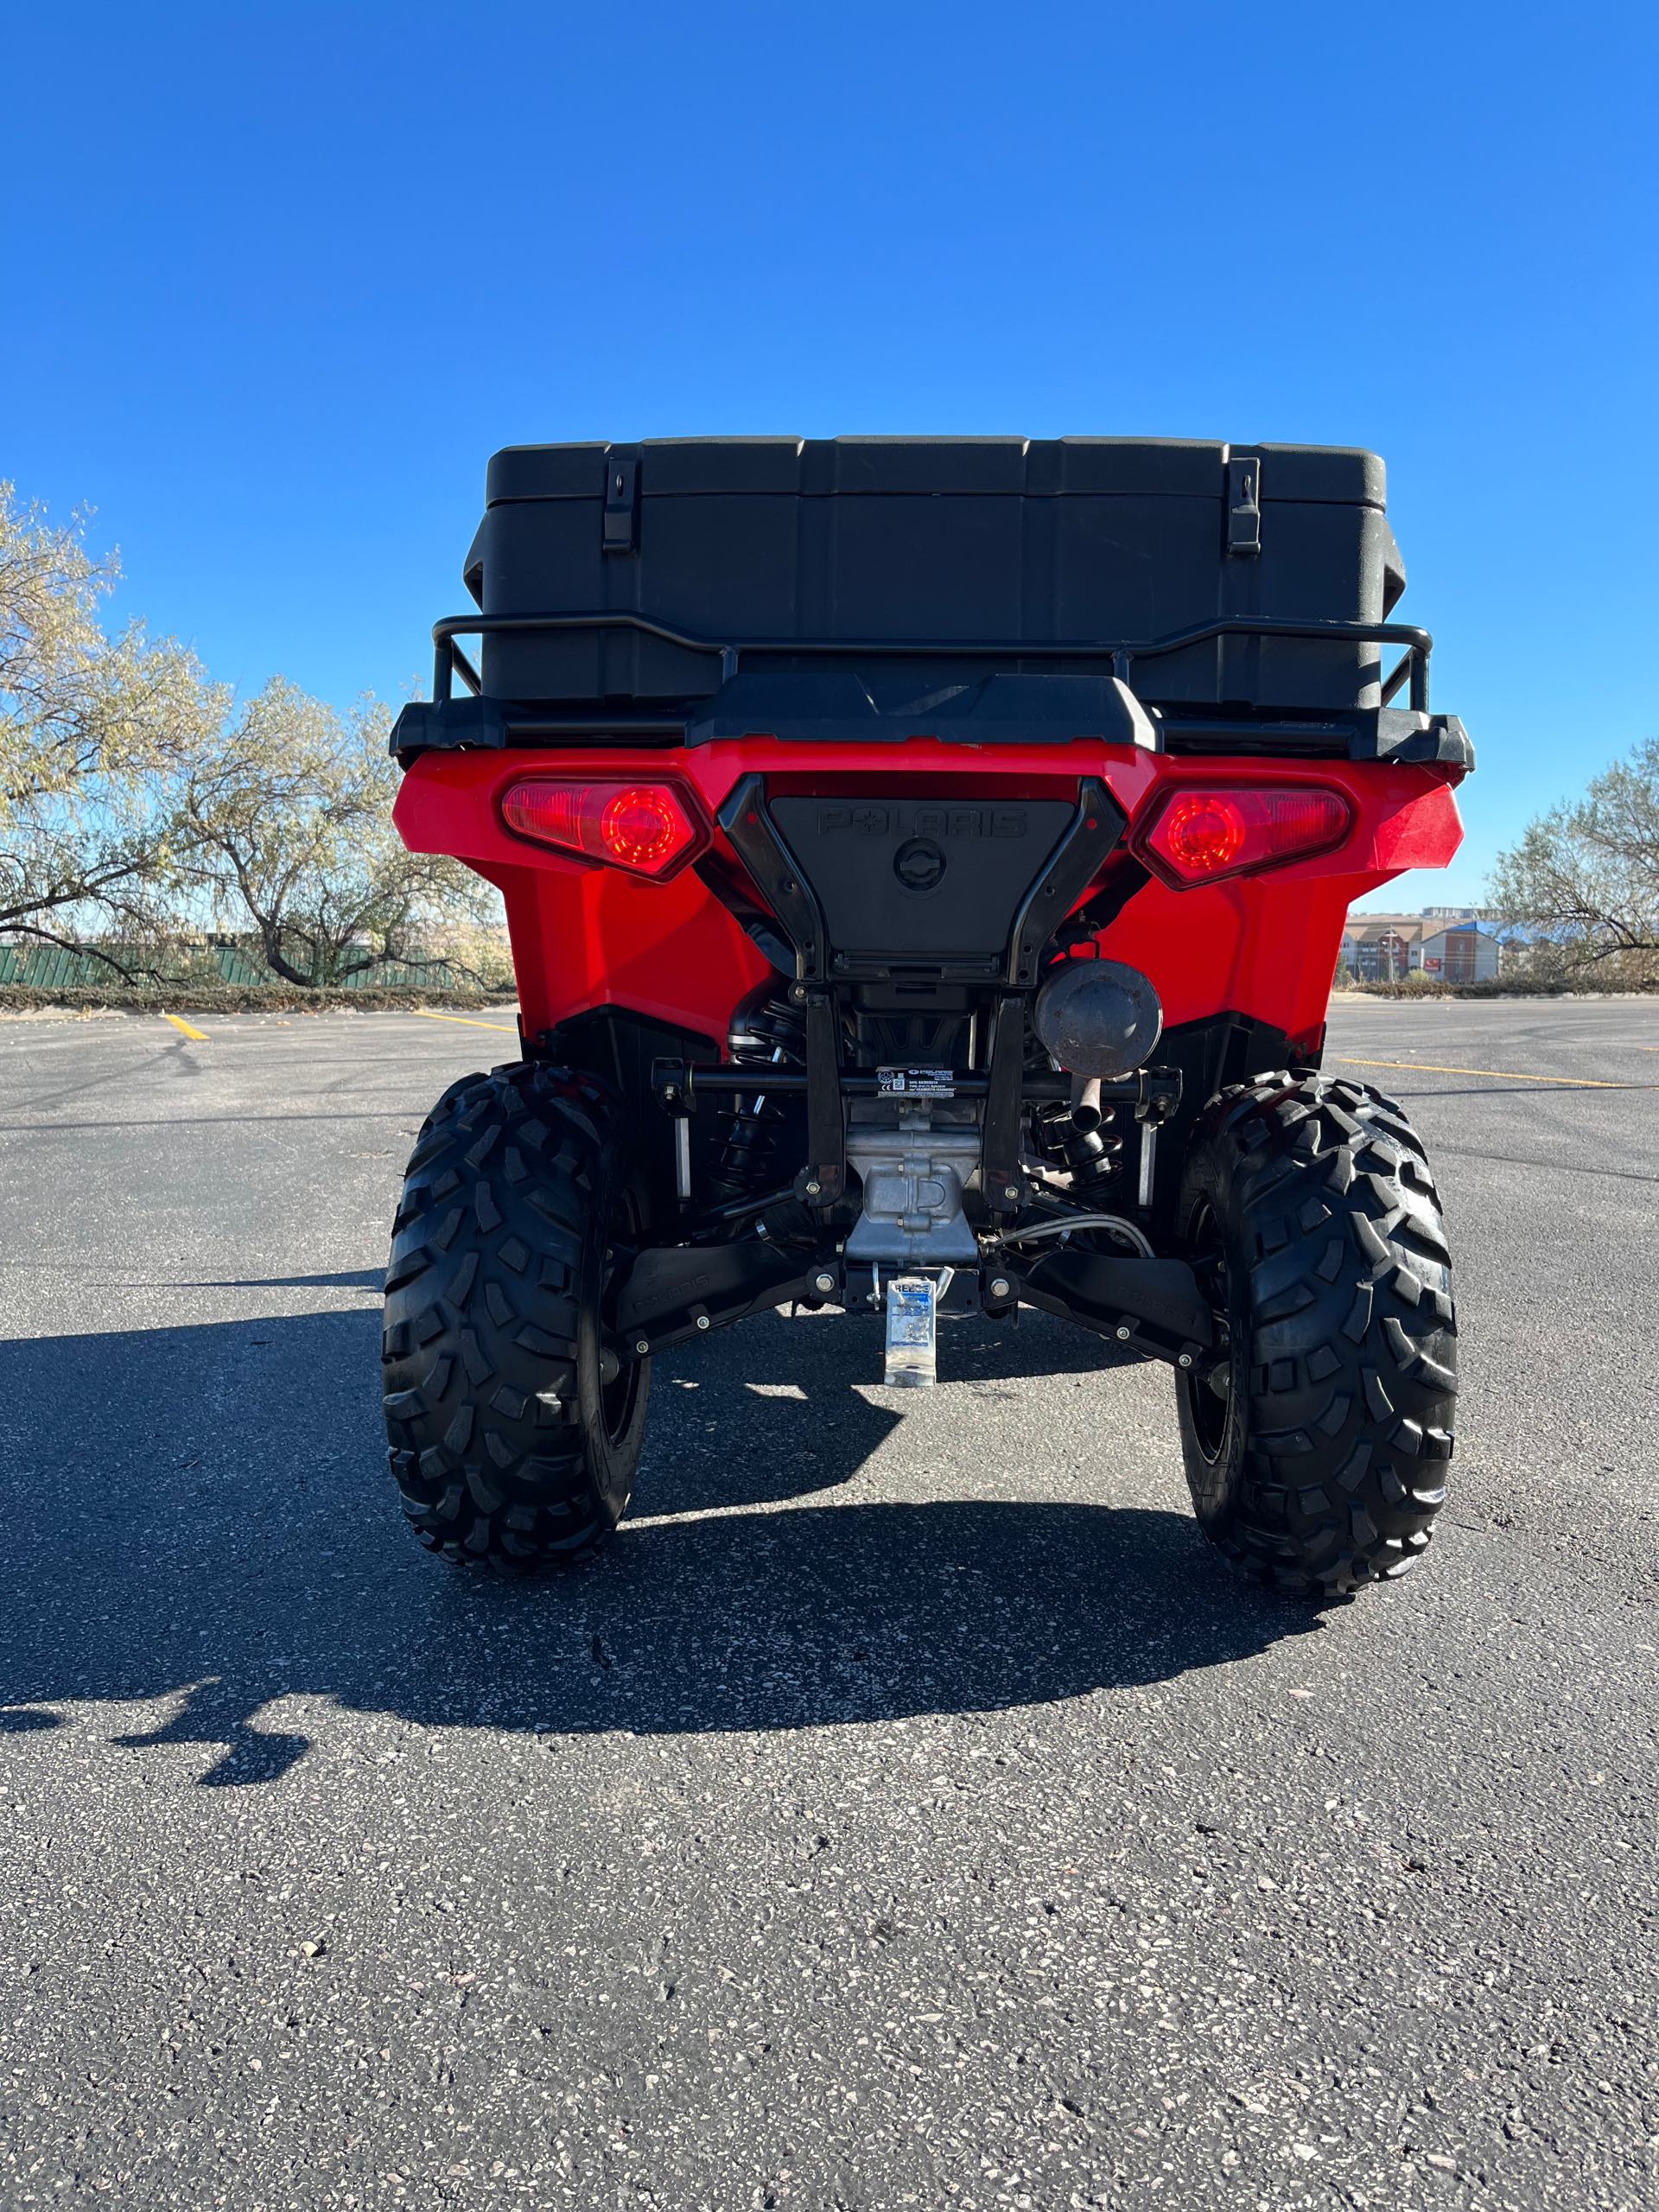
column 1112, row 1221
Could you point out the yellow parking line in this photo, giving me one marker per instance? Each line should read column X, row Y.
column 184, row 1028
column 466, row 1021
column 1497, row 1075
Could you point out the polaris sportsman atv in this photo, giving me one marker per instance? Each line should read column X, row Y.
column 925, row 860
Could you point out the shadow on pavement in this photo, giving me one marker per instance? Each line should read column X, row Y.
column 355, row 1279
column 203, row 1512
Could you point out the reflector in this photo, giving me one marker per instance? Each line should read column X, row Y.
column 1202, row 833
column 649, row 829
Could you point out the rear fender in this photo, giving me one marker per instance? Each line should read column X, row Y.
column 586, row 936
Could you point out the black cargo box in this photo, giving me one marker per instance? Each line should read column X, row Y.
column 1200, row 598
column 935, row 541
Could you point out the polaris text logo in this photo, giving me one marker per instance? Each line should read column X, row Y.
column 865, row 819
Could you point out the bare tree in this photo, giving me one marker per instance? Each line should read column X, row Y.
column 95, row 734
column 1584, row 881
column 136, row 793
column 288, row 833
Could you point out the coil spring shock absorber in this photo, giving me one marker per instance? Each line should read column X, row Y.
column 769, row 1032
column 1094, row 1154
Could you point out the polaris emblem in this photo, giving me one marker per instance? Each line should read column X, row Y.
column 905, row 818
column 918, row 864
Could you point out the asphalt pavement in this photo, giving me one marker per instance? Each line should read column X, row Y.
column 909, row 1810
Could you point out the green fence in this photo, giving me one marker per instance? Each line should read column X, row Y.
column 57, row 968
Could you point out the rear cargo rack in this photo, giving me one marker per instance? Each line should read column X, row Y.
column 450, row 661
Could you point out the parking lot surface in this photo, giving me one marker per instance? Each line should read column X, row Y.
column 909, row 1810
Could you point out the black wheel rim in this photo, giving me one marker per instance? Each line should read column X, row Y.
column 1208, row 1408
column 618, row 1398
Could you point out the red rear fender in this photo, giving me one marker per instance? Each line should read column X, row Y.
column 585, row 934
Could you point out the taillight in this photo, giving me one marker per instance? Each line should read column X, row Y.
column 649, row 829
column 1203, row 832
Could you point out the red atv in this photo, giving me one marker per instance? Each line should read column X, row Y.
column 925, row 860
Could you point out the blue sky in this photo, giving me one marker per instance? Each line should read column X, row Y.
column 276, row 279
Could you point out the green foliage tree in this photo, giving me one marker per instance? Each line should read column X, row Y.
column 1583, row 882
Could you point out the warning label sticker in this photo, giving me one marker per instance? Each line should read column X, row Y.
column 916, row 1083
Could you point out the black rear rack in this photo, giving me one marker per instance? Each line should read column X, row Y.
column 1412, row 667
column 833, row 703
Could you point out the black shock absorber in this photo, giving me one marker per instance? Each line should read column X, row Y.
column 1083, row 1140
column 1095, row 1156
column 769, row 1032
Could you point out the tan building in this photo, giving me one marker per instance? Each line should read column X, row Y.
column 1442, row 946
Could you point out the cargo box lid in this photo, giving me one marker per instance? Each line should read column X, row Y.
column 941, row 466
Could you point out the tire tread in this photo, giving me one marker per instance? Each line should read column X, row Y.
column 1351, row 1370
column 482, row 1321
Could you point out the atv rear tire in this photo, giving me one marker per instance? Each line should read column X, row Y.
column 509, row 1444
column 1316, row 1453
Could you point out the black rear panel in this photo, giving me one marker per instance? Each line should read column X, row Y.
column 920, row 879
column 964, row 890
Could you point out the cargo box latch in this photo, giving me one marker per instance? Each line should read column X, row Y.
column 621, row 523
column 1244, row 506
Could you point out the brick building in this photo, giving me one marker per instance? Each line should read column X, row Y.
column 1442, row 944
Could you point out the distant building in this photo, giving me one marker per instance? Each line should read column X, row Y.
column 1442, row 944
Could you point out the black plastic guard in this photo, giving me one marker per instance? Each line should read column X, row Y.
column 920, row 881
column 966, row 889
column 675, row 1292
column 1102, row 1293
column 449, row 726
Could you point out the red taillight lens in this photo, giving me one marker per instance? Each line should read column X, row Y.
column 650, row 828
column 1203, row 832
